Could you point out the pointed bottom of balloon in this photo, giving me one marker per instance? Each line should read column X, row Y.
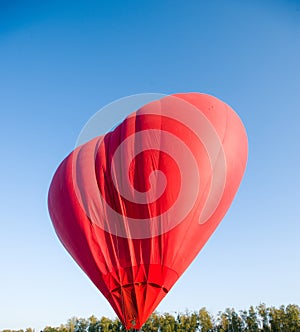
column 135, row 292
column 137, row 301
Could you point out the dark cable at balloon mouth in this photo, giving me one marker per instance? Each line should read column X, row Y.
column 143, row 283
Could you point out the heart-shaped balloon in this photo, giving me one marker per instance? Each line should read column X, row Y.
column 135, row 206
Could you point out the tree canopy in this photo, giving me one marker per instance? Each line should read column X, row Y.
column 256, row 319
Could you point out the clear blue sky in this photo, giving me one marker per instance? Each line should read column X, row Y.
column 61, row 61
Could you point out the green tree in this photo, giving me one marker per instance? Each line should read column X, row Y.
column 167, row 323
column 237, row 324
column 264, row 315
column 152, row 324
column 81, row 325
column 229, row 321
column 71, row 323
column 250, row 320
column 187, row 322
column 93, row 324
column 117, row 326
column 222, row 322
column 292, row 313
column 277, row 319
column 205, row 321
column 50, row 329
column 105, row 324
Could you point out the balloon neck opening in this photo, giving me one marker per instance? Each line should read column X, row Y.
column 134, row 292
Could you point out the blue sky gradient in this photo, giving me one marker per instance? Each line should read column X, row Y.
column 61, row 61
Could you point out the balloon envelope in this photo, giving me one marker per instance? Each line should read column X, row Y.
column 135, row 206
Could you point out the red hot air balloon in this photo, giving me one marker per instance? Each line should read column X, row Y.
column 134, row 207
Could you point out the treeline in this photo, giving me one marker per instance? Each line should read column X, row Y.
column 255, row 319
